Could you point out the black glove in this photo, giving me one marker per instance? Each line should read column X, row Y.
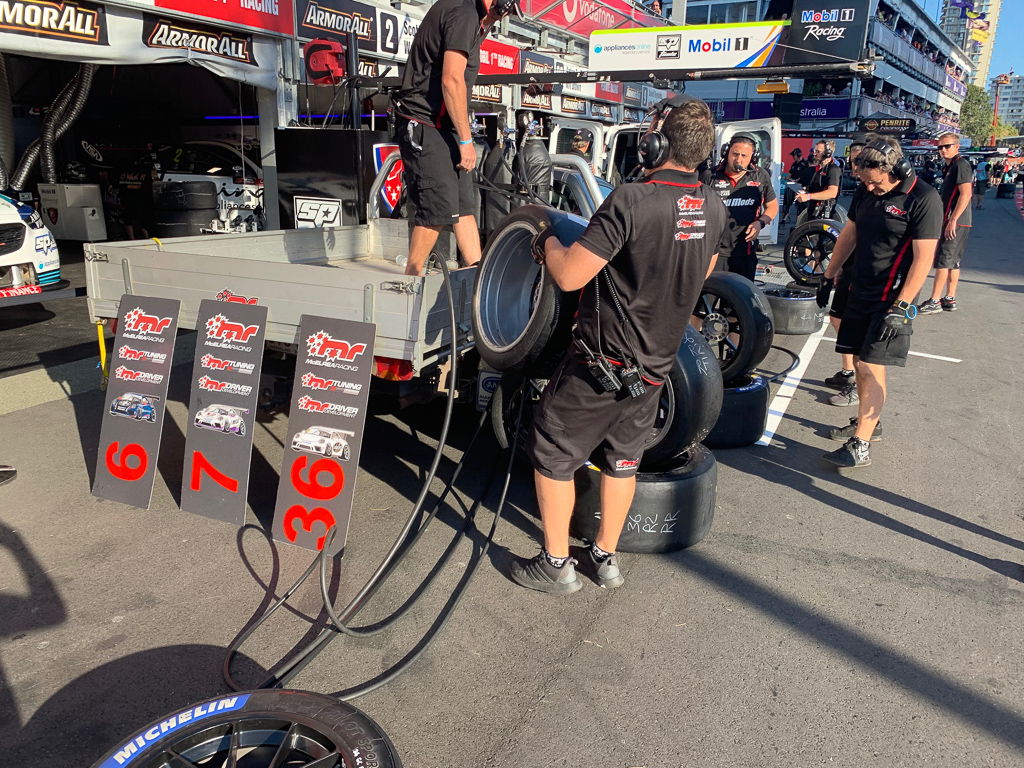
column 898, row 318
column 537, row 244
column 824, row 291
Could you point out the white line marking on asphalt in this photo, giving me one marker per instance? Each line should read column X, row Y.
column 919, row 354
column 779, row 405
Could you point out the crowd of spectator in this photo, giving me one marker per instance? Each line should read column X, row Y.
column 917, row 106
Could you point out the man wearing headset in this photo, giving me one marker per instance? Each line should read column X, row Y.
column 432, row 117
column 823, row 189
column 747, row 191
column 639, row 266
column 894, row 226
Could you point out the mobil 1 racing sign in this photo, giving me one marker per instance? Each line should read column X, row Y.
column 334, row 359
column 133, row 414
column 826, row 32
column 222, row 409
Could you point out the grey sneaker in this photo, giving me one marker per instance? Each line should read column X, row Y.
column 605, row 573
column 846, row 396
column 537, row 573
column 853, row 454
column 929, row 307
column 845, row 433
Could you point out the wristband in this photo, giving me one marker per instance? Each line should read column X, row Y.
column 464, row 142
column 909, row 310
column 765, row 220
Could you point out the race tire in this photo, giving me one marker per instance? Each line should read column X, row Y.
column 840, row 214
column 241, row 429
column 506, row 402
column 346, row 453
column 184, row 195
column 744, row 414
column 795, row 311
column 817, row 236
column 317, row 727
column 183, row 223
column 521, row 319
column 672, row 509
column 731, row 305
column 688, row 405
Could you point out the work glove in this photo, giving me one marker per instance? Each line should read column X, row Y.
column 896, row 320
column 537, row 244
column 824, row 291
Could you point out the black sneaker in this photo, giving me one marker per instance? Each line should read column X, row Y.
column 948, row 303
column 929, row 307
column 852, row 455
column 845, row 433
column 840, row 379
column 605, row 573
column 846, row 396
column 541, row 575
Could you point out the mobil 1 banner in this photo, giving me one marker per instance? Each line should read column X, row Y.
column 824, row 32
column 222, row 409
column 334, row 360
column 133, row 409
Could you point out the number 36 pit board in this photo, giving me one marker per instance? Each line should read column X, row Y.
column 334, row 361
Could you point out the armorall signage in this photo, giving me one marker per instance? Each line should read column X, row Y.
column 173, row 33
column 70, row 20
column 336, row 18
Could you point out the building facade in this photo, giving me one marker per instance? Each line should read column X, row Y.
column 974, row 30
column 1011, row 101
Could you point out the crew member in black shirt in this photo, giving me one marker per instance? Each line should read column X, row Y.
column 746, row 189
column 432, row 111
column 823, row 189
column 648, row 248
column 956, row 210
column 893, row 229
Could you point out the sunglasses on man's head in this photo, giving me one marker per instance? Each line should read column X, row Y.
column 946, row 146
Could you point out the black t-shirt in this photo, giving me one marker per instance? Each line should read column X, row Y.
column 744, row 197
column 801, row 171
column 450, row 25
column 829, row 175
column 658, row 237
column 887, row 225
column 958, row 171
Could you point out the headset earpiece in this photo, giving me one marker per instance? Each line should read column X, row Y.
column 901, row 168
column 504, row 8
column 755, row 152
column 653, row 146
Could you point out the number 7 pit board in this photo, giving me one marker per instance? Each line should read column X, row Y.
column 136, row 399
column 334, row 361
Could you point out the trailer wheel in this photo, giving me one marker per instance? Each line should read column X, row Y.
column 672, row 509
column 736, row 319
column 809, row 248
column 259, row 729
column 520, row 317
column 795, row 311
column 744, row 414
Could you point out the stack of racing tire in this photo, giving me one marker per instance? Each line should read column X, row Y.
column 183, row 208
column 521, row 325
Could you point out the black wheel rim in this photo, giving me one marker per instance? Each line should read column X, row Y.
column 811, row 254
column 270, row 742
column 526, row 401
column 718, row 322
column 666, row 415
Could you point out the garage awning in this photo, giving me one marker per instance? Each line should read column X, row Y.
column 89, row 33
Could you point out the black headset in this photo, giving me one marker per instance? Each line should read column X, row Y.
column 755, row 158
column 654, row 146
column 901, row 167
column 505, row 7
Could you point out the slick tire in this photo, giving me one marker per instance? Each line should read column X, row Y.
column 183, row 223
column 184, row 195
column 316, row 726
column 672, row 509
column 744, row 414
column 795, row 311
column 736, row 320
column 521, row 320
column 688, row 407
column 808, row 250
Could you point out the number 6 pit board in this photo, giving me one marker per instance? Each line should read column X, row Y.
column 222, row 409
column 136, row 398
column 334, row 360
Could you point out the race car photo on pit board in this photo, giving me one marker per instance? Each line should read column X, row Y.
column 326, row 441
column 223, row 418
column 132, row 405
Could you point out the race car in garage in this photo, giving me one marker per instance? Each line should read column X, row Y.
column 223, row 418
column 29, row 262
column 326, row 441
column 132, row 405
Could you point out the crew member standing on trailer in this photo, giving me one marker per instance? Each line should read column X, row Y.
column 747, row 191
column 640, row 264
column 823, row 189
column 432, row 111
column 894, row 226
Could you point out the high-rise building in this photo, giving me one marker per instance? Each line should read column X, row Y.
column 1011, row 101
column 972, row 26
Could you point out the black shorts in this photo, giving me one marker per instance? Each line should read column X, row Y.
column 950, row 252
column 980, row 186
column 438, row 191
column 840, row 296
column 576, row 420
column 858, row 336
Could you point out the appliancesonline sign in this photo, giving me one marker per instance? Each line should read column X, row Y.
column 705, row 46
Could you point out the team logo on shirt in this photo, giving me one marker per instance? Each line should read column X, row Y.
column 687, row 223
column 892, row 210
column 753, row 183
column 687, row 204
column 689, row 235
